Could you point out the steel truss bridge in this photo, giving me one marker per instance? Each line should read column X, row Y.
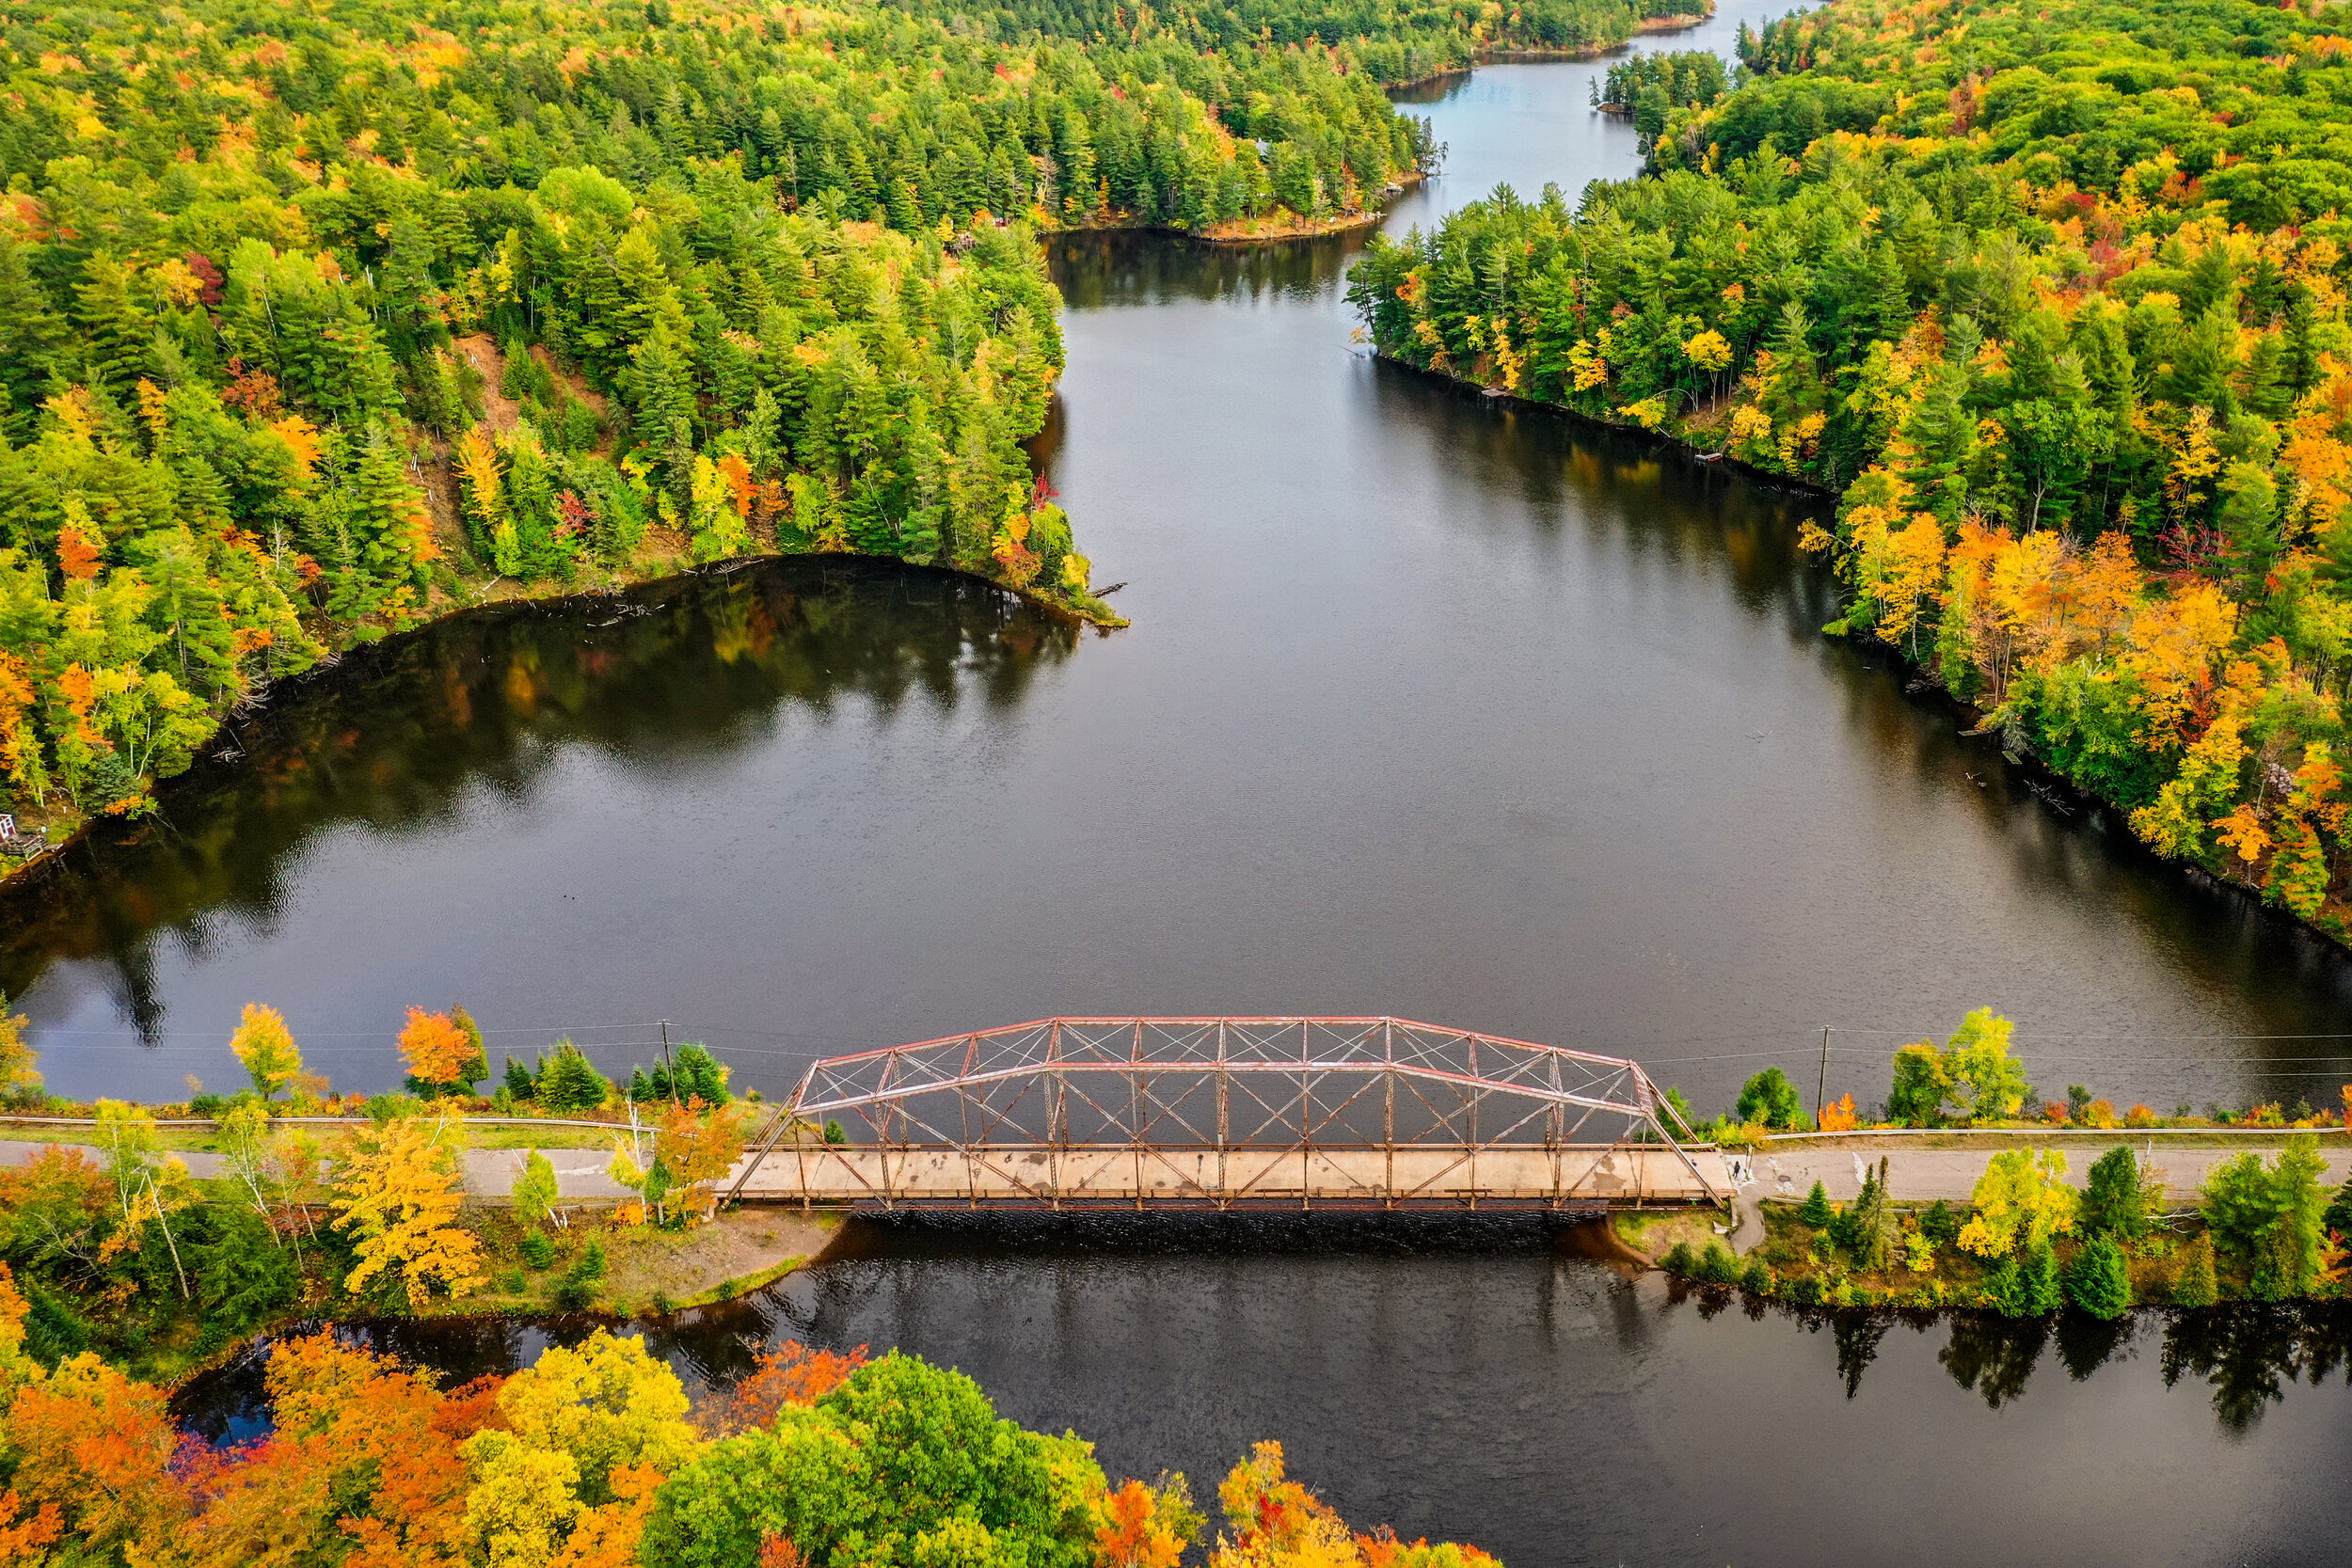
column 1228, row 1114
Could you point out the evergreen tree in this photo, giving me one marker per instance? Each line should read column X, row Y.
column 2098, row 1281
column 2119, row 1197
column 519, row 1082
column 2039, row 1286
column 1815, row 1211
column 567, row 1080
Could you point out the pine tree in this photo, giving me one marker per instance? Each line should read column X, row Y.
column 2098, row 1280
column 1815, row 1211
column 115, row 330
column 567, row 1080
column 519, row 1082
column 2039, row 1281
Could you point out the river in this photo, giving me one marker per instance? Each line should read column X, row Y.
column 1431, row 707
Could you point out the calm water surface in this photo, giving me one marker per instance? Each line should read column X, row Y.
column 1479, row 1379
column 1430, row 707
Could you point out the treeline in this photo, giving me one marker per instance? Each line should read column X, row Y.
column 1394, row 40
column 2055, row 301
column 595, row 1457
column 316, row 323
column 119, row 1250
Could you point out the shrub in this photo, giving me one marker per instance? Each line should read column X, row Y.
column 1678, row 1260
column 207, row 1105
column 2140, row 1116
column 381, row 1109
column 1716, row 1266
column 513, row 1283
column 2195, row 1284
column 1815, row 1211
column 1756, row 1279
column 1940, row 1225
column 1805, row 1290
column 538, row 1250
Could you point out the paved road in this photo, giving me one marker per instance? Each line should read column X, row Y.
column 1919, row 1175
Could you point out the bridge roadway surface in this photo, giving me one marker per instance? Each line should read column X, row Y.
column 1921, row 1175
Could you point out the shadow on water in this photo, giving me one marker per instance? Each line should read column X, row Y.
column 396, row 735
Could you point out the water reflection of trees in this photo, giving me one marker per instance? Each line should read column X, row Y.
column 398, row 734
column 2247, row 1353
column 1113, row 267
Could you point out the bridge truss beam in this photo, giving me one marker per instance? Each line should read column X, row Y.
column 1029, row 1105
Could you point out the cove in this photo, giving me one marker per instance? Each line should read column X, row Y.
column 1431, row 707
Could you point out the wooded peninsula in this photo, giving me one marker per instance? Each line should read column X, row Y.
column 2053, row 300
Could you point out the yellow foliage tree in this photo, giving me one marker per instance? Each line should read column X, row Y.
column 2022, row 1200
column 590, row 1433
column 397, row 1188
column 19, row 1066
column 266, row 1047
column 699, row 1150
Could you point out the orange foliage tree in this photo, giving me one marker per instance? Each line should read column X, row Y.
column 794, row 1374
column 437, row 1052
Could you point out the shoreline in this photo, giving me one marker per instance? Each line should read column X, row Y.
column 1921, row 674
column 610, row 1308
column 1100, row 616
column 1647, row 26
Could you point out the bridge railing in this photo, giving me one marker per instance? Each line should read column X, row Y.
column 1263, row 1084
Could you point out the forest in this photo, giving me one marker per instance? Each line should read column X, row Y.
column 2052, row 303
column 120, row 1271
column 320, row 321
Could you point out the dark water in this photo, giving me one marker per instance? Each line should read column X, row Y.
column 1480, row 1380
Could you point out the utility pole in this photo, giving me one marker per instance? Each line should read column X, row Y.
column 669, row 1068
column 1821, row 1089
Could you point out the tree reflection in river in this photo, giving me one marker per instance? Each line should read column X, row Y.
column 399, row 733
column 2247, row 1352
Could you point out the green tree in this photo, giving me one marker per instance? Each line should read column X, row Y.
column 2271, row 1218
column 567, row 1080
column 1921, row 1085
column 2122, row 1196
column 2039, row 1281
column 904, row 1464
column 1815, row 1211
column 2098, row 1281
column 1771, row 1099
column 535, row 1189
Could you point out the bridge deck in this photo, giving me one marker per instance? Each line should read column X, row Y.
column 1415, row 1176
